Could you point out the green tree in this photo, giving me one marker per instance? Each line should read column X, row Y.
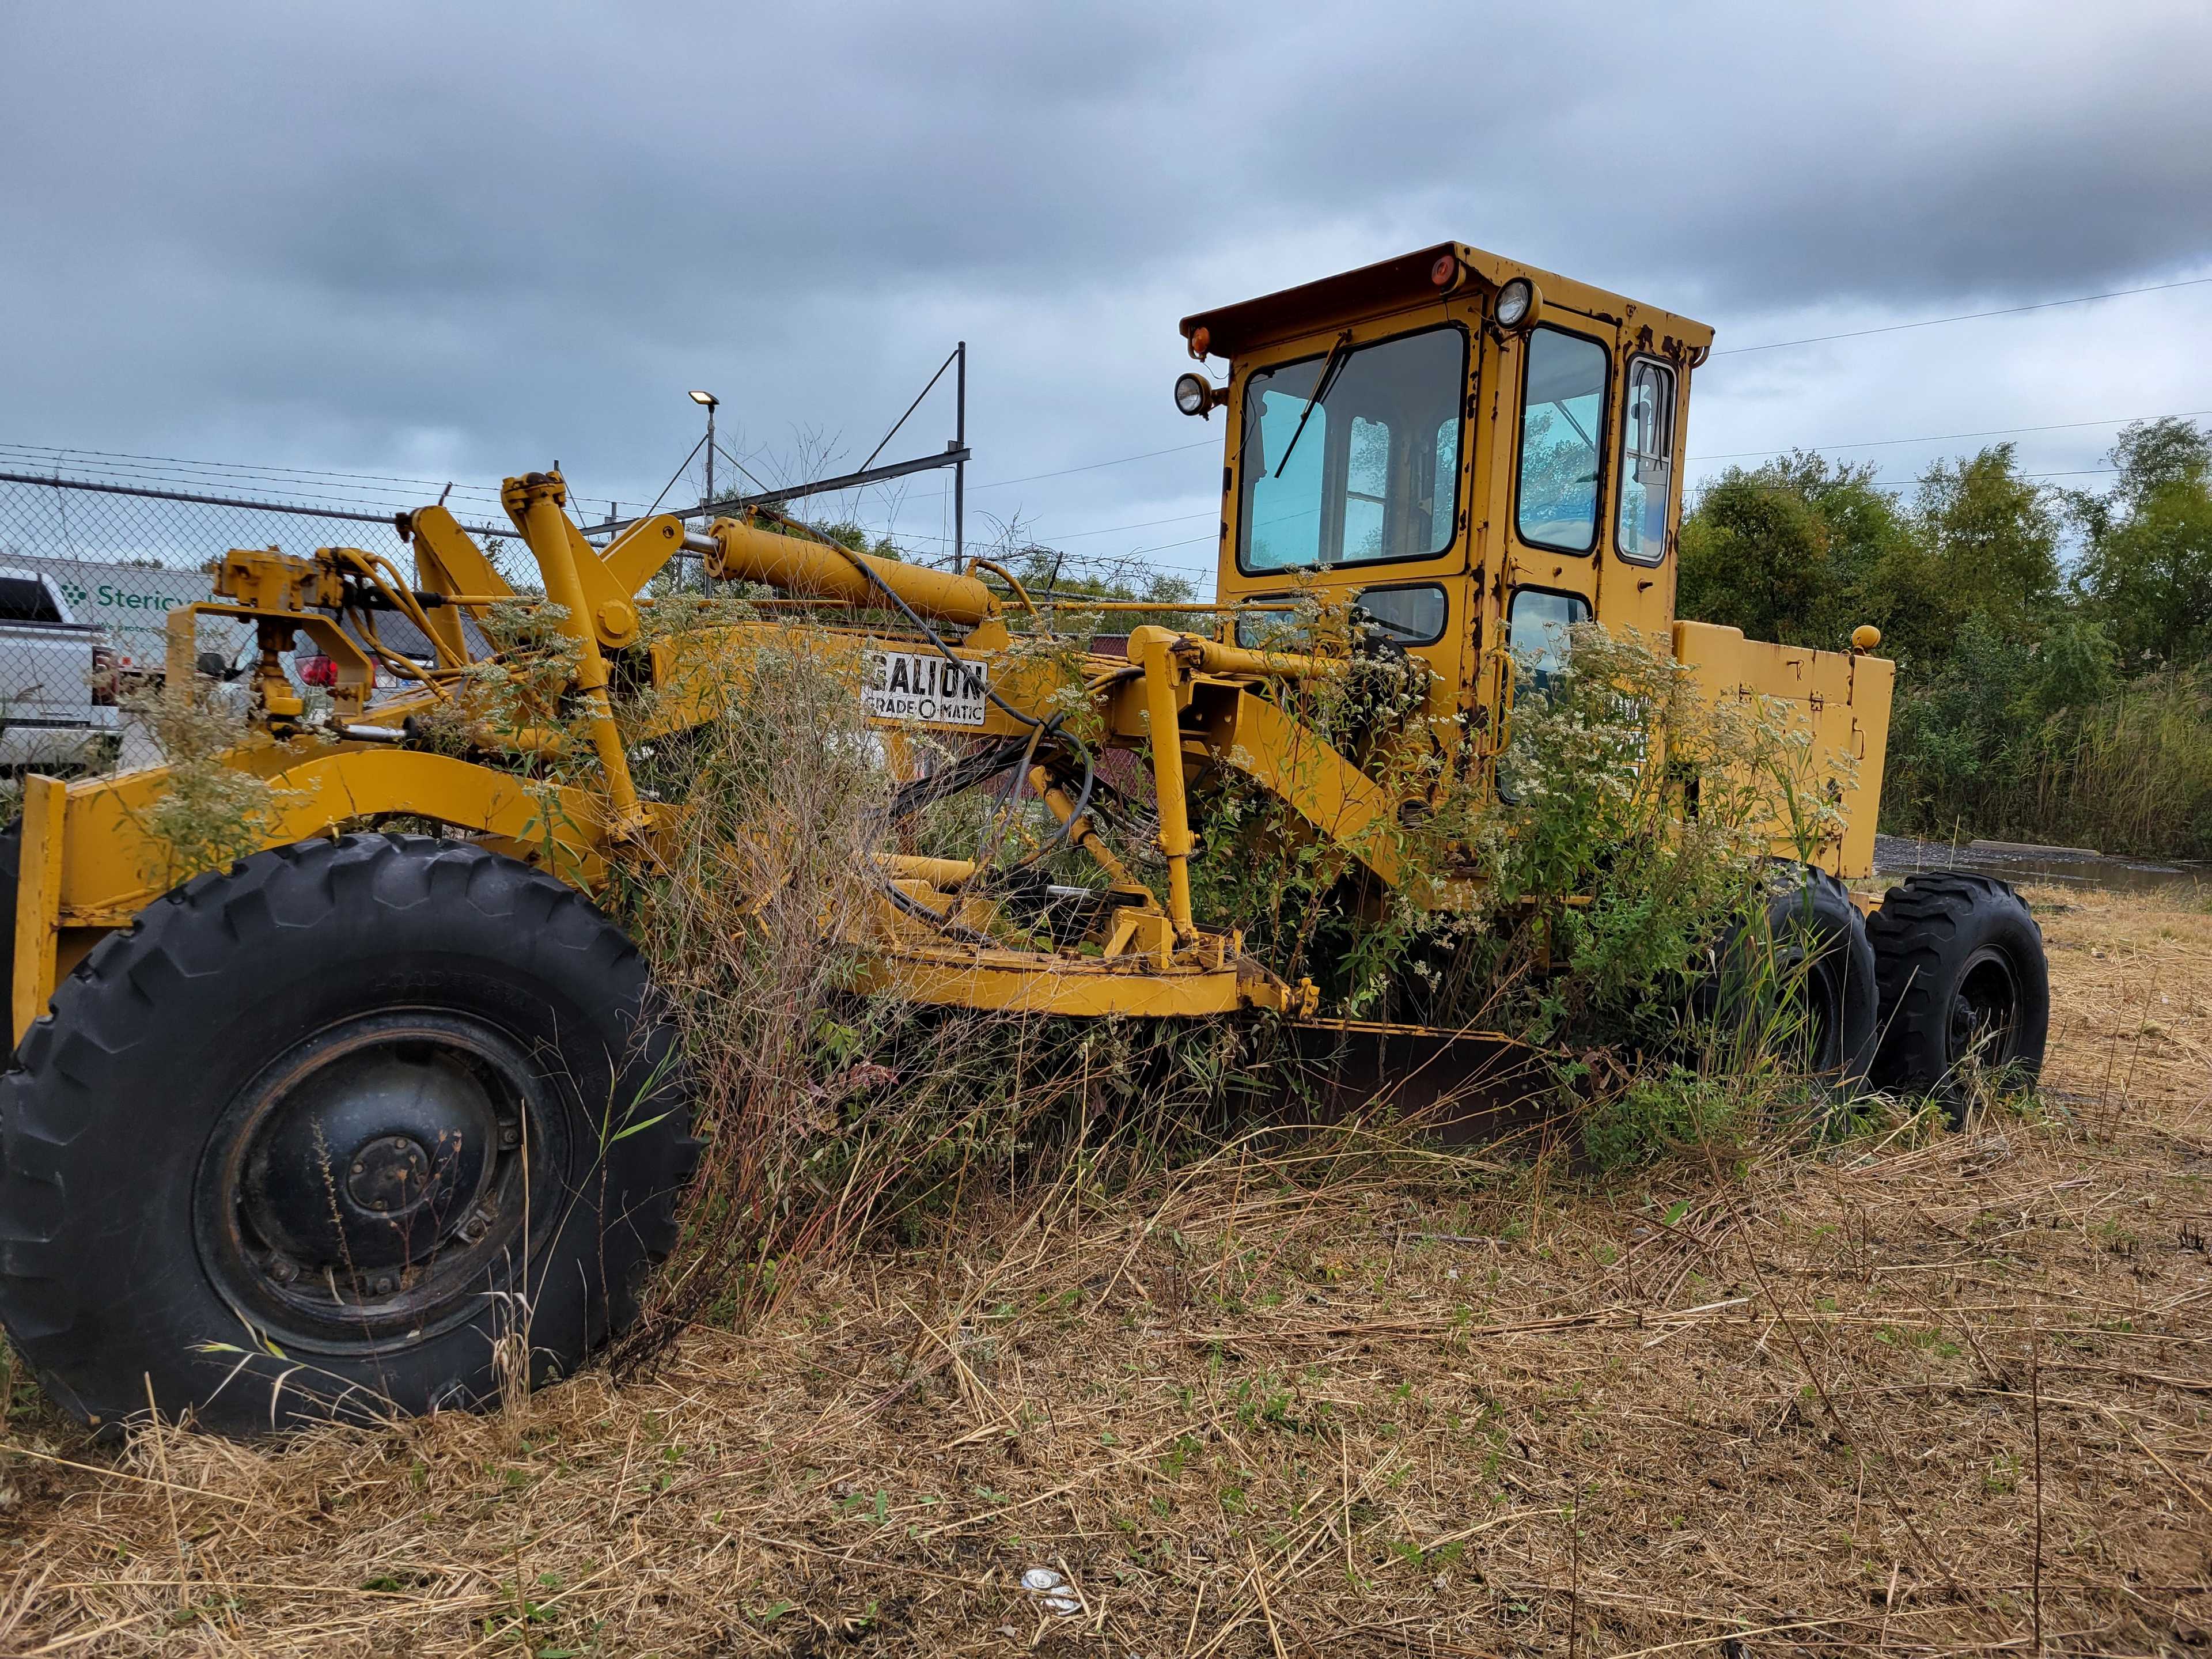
column 2146, row 565
column 1790, row 550
column 1987, row 545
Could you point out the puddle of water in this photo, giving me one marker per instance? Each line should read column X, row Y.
column 1901, row 856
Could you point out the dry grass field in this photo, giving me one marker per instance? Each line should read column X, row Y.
column 1920, row 1392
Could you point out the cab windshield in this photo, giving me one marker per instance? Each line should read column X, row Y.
column 1373, row 476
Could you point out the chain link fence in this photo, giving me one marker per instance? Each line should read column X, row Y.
column 89, row 571
column 96, row 549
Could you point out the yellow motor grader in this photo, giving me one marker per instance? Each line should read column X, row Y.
column 355, row 1121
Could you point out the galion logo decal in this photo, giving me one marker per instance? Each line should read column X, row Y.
column 925, row 688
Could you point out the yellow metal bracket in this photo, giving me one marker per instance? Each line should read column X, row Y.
column 603, row 599
column 535, row 504
column 38, row 899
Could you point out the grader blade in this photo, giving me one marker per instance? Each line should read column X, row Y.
column 1464, row 1087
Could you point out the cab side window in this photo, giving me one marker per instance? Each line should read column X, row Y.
column 1562, row 415
column 1647, row 462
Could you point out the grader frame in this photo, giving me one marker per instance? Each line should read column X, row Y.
column 298, row 1137
column 88, row 866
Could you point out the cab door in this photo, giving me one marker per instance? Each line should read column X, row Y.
column 1554, row 498
column 1593, row 494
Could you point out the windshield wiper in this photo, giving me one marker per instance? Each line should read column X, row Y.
column 1338, row 355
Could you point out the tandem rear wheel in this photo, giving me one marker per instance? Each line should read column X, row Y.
column 1796, row 979
column 367, row 1127
column 1965, row 987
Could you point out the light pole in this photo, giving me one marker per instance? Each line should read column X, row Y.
column 710, row 402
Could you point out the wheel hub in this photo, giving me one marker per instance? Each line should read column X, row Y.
column 1984, row 1014
column 389, row 1174
column 374, row 1154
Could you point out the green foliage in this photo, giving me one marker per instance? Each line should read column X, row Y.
column 2131, row 772
column 2146, row 567
column 1662, row 1109
column 1969, row 739
column 209, row 813
column 1986, row 546
column 1575, row 904
column 1793, row 550
column 2034, row 699
column 1617, row 880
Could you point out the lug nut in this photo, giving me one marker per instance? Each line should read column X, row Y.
column 509, row 1135
column 383, row 1286
column 283, row 1270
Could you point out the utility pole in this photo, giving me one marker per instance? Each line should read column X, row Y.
column 960, row 468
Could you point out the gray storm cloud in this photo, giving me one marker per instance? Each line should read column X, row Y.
column 471, row 238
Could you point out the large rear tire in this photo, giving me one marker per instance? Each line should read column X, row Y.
column 1964, row 981
column 364, row 1126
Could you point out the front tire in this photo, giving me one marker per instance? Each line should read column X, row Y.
column 364, row 1126
column 1964, row 980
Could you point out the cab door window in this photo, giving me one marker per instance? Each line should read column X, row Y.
column 1647, row 461
column 1537, row 633
column 1562, row 420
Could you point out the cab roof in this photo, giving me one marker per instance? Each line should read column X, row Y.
column 1404, row 283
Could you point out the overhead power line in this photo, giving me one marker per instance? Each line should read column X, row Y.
column 2075, row 472
column 1093, row 466
column 1964, row 317
column 1950, row 437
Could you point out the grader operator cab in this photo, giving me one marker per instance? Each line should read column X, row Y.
column 314, row 1132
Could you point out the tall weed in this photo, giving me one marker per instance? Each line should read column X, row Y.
column 2003, row 744
column 210, row 810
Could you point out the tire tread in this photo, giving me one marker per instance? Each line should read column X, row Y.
column 213, row 924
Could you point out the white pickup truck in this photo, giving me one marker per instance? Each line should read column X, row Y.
column 57, row 707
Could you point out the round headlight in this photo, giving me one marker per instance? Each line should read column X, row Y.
column 1517, row 302
column 1193, row 395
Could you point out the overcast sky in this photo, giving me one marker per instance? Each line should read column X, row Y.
column 460, row 241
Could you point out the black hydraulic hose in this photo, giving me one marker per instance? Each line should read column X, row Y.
column 957, row 779
column 937, row 919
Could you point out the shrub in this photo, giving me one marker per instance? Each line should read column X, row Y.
column 1666, row 1108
